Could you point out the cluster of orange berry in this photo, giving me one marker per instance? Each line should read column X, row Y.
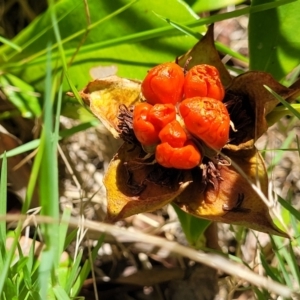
column 181, row 106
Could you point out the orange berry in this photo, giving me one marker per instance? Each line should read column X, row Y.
column 203, row 81
column 173, row 134
column 145, row 132
column 161, row 114
column 207, row 119
column 186, row 157
column 164, row 84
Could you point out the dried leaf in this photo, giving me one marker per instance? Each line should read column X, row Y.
column 104, row 96
column 232, row 200
column 132, row 193
column 205, row 52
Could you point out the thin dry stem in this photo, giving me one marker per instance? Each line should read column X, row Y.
column 209, row 259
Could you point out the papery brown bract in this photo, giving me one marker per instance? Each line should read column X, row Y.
column 104, row 96
column 257, row 101
column 232, row 199
column 131, row 188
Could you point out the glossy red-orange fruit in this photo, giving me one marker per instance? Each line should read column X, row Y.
column 186, row 157
column 207, row 119
column 203, row 81
column 161, row 114
column 145, row 131
column 163, row 84
column 173, row 134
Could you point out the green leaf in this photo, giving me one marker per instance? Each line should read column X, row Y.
column 86, row 268
column 133, row 60
column 73, row 272
column 192, row 227
column 274, row 39
column 278, row 248
column 60, row 293
column 49, row 187
column 22, row 95
column 208, row 5
column 3, row 202
column 10, row 44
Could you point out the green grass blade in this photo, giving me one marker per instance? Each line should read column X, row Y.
column 260, row 295
column 23, row 148
column 280, row 111
column 9, row 255
column 3, row 201
column 63, row 228
column 49, row 189
column 70, row 237
column 285, row 103
column 294, row 264
column 10, row 44
column 289, row 207
column 220, row 47
column 25, row 40
column 63, row 134
column 81, row 32
column 87, row 268
column 74, row 272
column 60, row 293
column 22, row 95
column 278, row 248
column 269, row 271
column 154, row 33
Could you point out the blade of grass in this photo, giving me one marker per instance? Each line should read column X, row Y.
column 268, row 269
column 285, row 103
column 220, row 47
column 289, row 207
column 60, row 293
column 63, row 134
column 70, row 237
column 259, row 294
column 63, row 228
column 3, row 200
column 74, row 273
column 287, row 254
column 81, row 32
column 277, row 247
column 49, row 189
column 32, row 39
column 153, row 33
column 279, row 112
column 10, row 44
column 86, row 268
column 294, row 264
column 3, row 210
column 276, row 159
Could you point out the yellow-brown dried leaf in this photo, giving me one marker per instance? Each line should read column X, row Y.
column 220, row 203
column 104, row 96
column 122, row 201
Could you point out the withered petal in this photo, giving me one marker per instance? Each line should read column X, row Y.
column 233, row 201
column 205, row 52
column 105, row 95
column 129, row 194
